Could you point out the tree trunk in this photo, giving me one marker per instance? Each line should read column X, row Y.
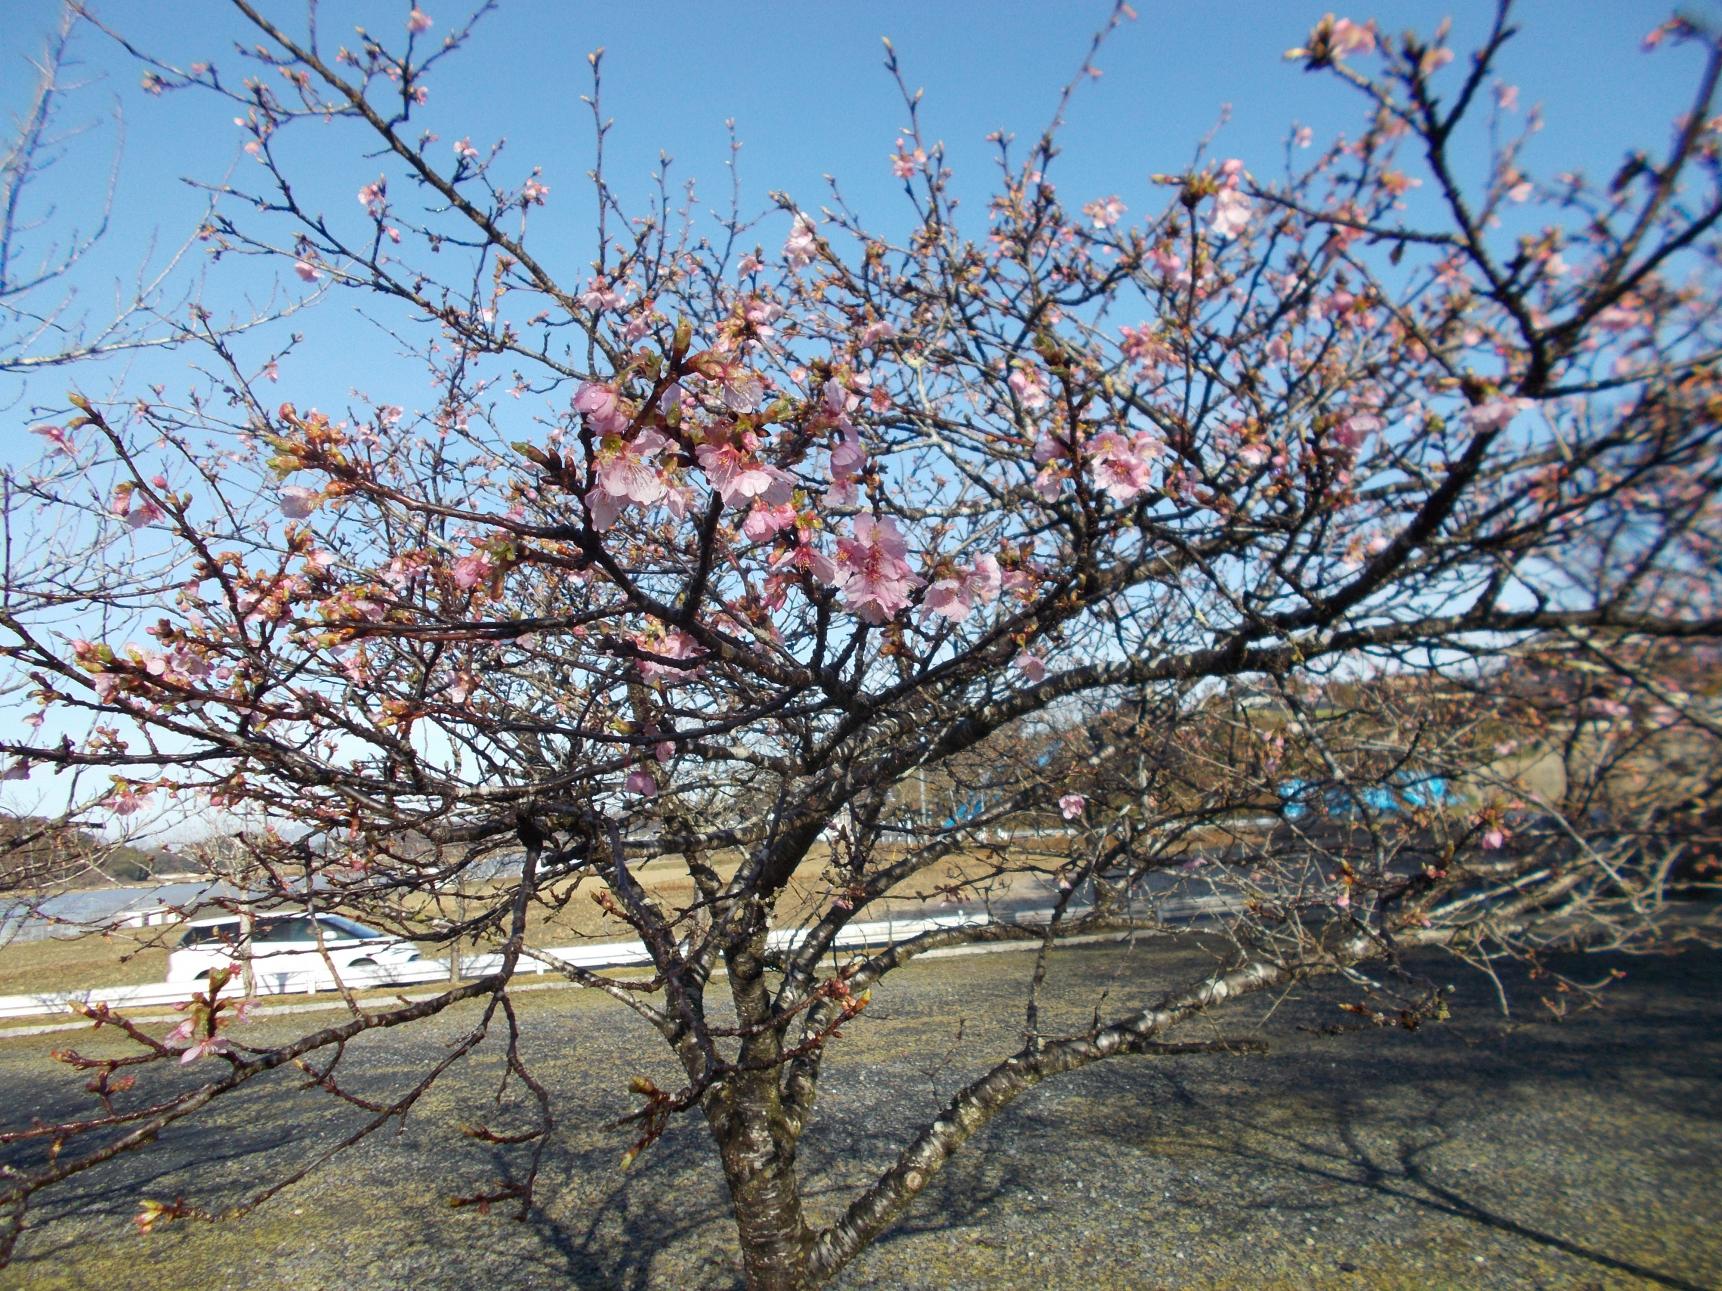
column 755, row 1136
column 759, row 1164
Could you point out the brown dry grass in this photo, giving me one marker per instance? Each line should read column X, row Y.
column 125, row 958
column 566, row 914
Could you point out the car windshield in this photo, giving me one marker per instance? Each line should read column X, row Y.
column 334, row 923
column 201, row 934
column 270, row 931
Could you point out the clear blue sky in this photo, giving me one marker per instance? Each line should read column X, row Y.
column 805, row 86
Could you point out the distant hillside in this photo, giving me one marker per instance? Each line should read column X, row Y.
column 37, row 852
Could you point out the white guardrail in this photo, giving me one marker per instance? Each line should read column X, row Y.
column 591, row 955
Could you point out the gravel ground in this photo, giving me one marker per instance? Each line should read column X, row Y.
column 1477, row 1153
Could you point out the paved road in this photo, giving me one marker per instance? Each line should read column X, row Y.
column 1472, row 1154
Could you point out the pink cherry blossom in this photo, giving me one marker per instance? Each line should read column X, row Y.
column 802, row 244
column 297, row 501
column 1232, row 209
column 1030, row 665
column 469, row 571
column 735, row 473
column 204, row 1046
column 672, row 645
column 1350, row 432
column 1049, row 480
column 871, row 570
column 1495, row 414
column 1104, row 212
column 739, row 388
column 673, row 399
column 1050, row 448
column 839, row 401
column 1071, row 805
column 624, row 475
column 848, row 458
column 533, row 191
column 945, row 597
column 764, row 520
column 806, row 558
column 1030, row 390
column 58, row 436
column 984, row 579
column 600, row 294
column 955, row 598
column 418, row 21
column 1145, row 345
column 1350, row 37
column 604, row 410
column 1435, row 60
column 1168, row 263
column 906, row 162
column 759, row 314
column 1018, row 582
column 306, row 270
column 877, row 331
column 1620, row 317
column 1123, row 467
column 641, row 781
column 406, row 569
column 125, row 801
column 1253, row 455
column 145, row 514
column 374, row 196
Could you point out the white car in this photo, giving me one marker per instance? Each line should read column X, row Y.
column 285, row 956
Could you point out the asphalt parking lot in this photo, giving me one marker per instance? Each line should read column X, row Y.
column 1480, row 1152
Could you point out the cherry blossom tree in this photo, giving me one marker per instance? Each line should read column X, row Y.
column 54, row 308
column 1170, row 547
column 59, row 174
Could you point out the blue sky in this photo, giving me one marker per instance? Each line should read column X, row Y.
column 809, row 96
column 807, row 90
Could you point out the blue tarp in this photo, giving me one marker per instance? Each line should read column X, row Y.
column 1405, row 791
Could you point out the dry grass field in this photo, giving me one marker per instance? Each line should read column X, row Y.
column 565, row 914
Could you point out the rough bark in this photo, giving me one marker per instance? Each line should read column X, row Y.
column 759, row 1166
column 756, row 1139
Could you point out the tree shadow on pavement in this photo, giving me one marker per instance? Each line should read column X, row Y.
column 1638, row 1078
